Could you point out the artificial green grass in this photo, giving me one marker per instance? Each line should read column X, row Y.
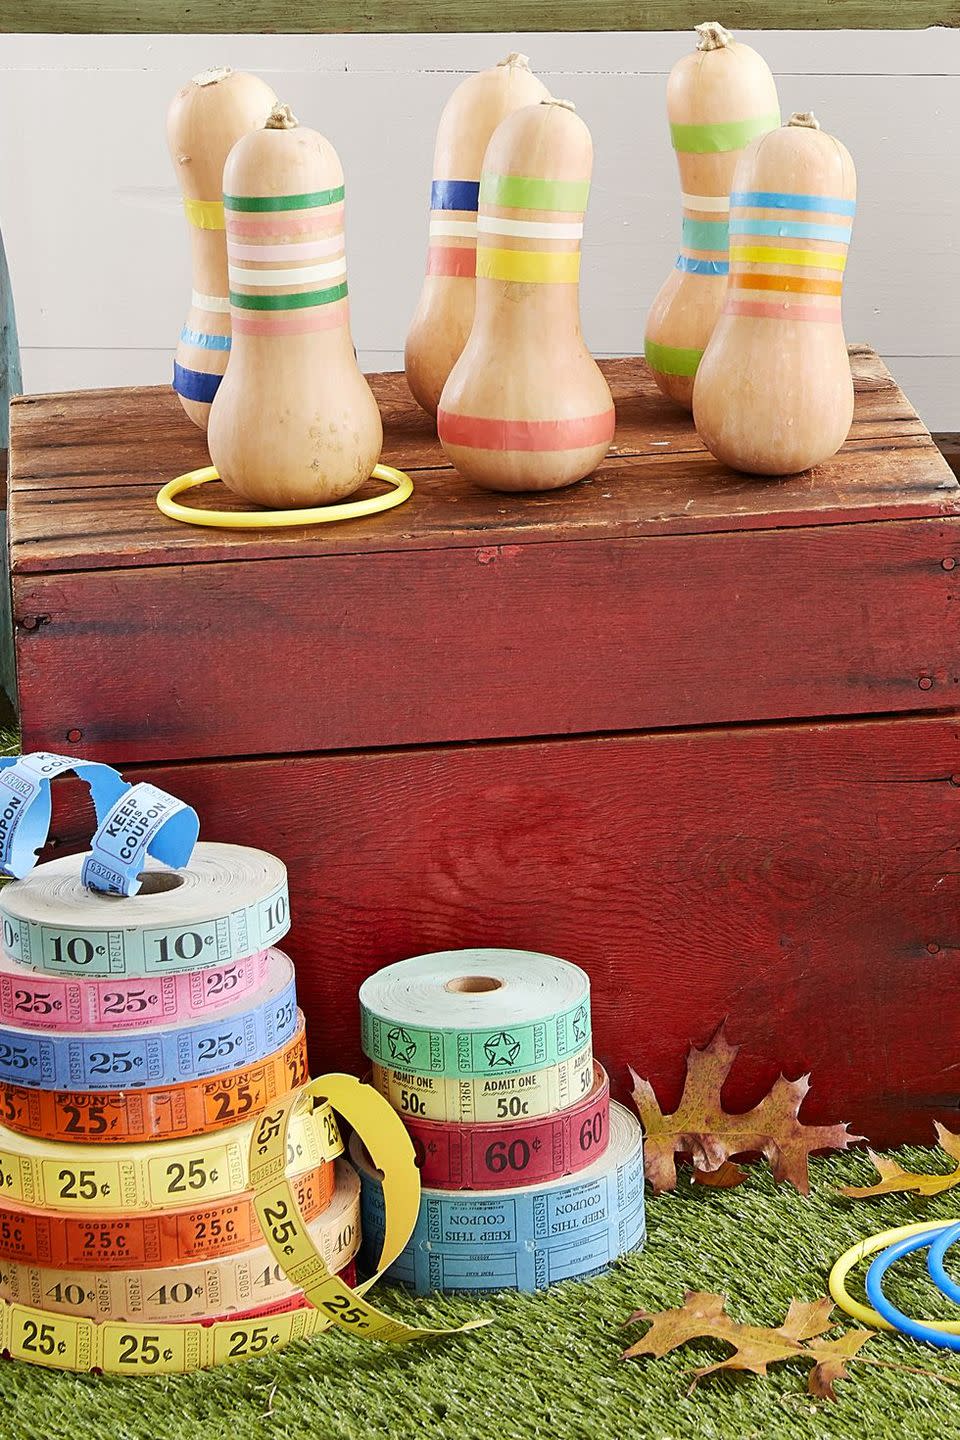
column 550, row 1366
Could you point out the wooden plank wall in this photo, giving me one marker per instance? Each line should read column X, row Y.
column 98, row 248
column 412, row 16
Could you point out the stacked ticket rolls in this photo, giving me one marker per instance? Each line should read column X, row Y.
column 140, row 1036
column 530, row 1173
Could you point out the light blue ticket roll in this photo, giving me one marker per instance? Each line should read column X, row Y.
column 520, row 1239
column 166, row 1055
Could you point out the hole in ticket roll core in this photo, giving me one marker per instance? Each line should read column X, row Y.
column 473, row 984
column 156, row 882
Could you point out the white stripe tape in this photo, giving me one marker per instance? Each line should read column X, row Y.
column 276, row 279
column 719, row 204
column 219, row 304
column 531, row 229
column 465, row 228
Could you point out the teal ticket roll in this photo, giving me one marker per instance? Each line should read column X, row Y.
column 475, row 1013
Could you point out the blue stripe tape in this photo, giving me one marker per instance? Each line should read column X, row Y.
column 790, row 230
column 203, row 341
column 195, row 384
column 702, row 267
column 153, row 1057
column 776, row 200
column 454, row 194
column 704, row 234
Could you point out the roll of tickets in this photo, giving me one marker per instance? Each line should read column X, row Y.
column 228, row 903
column 475, row 1013
column 148, row 1239
column 389, row 1147
column 125, row 1177
column 296, row 1301
column 499, row 1097
column 59, row 1002
column 246, row 1031
column 520, row 1239
column 513, row 1152
column 172, row 1111
column 187, row 1292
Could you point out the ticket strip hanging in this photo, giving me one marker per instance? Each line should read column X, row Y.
column 524, row 1238
column 240, row 1035
column 26, row 806
column 170, row 1112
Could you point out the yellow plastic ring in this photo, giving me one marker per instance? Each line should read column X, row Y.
column 866, row 1313
column 275, row 519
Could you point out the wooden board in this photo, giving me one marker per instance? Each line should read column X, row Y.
column 161, row 16
column 665, row 591
column 801, row 880
column 86, row 467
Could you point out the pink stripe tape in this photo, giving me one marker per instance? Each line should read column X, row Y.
column 294, row 322
column 317, row 222
column 309, row 250
column 762, row 309
column 452, row 260
column 60, row 1002
column 482, row 434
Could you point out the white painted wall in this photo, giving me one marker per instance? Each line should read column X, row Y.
column 97, row 245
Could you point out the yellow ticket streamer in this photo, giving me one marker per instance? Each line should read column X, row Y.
column 108, row 1178
column 391, row 1152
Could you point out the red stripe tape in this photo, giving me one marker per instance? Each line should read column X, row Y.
column 518, row 1152
column 452, row 260
column 476, row 433
column 761, row 309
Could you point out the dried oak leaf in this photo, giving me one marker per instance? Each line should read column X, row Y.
column 701, row 1128
column 703, row 1316
column 895, row 1180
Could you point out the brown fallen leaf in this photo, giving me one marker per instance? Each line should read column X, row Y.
column 701, row 1128
column 895, row 1180
column 703, row 1316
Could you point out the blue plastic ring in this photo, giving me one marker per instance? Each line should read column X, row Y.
column 929, row 1334
column 935, row 1263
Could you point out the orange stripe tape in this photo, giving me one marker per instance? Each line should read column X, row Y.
column 452, row 260
column 171, row 1111
column 801, row 284
column 147, row 1240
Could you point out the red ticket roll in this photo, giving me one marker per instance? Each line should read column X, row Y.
column 519, row 1152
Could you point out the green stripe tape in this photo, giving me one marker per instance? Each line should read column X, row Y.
column 670, row 361
column 261, row 203
column 303, row 301
column 705, row 234
column 713, row 139
column 522, row 192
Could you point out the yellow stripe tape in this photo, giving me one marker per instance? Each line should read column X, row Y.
column 188, row 1292
column 391, row 1152
column 499, row 1097
column 109, row 1178
column 529, row 267
column 204, row 214
column 763, row 255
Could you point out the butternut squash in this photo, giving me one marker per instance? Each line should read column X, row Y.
column 441, row 324
column 204, row 121
column 774, row 394
column 525, row 407
column 718, row 98
column 294, row 423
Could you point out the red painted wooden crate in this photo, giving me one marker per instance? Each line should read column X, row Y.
column 696, row 731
